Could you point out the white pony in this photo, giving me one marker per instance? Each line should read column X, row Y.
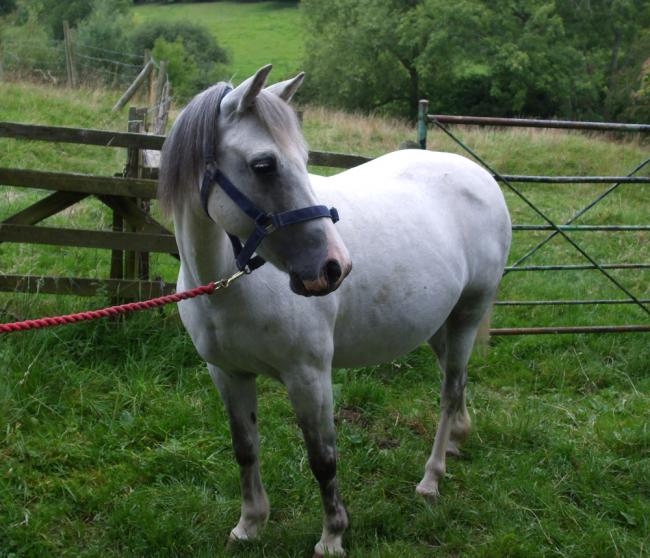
column 428, row 234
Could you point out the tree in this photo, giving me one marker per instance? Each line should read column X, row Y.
column 510, row 58
column 7, row 6
column 612, row 35
column 54, row 12
column 359, row 56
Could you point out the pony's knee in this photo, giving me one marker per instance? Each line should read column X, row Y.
column 322, row 460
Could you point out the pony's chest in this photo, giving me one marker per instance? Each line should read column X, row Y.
column 234, row 337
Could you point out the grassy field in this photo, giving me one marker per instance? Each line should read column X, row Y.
column 113, row 441
column 255, row 34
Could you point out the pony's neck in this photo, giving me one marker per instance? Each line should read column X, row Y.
column 205, row 250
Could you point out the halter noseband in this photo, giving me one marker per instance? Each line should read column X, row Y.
column 265, row 223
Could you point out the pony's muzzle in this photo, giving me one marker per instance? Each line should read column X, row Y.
column 329, row 266
column 329, row 279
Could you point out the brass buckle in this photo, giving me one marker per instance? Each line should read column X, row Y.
column 226, row 282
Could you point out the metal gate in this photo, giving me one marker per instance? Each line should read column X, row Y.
column 563, row 229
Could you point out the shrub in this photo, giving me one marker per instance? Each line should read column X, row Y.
column 105, row 30
column 181, row 67
column 52, row 13
column 199, row 49
column 27, row 50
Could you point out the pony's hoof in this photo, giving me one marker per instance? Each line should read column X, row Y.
column 428, row 491
column 232, row 544
column 236, row 539
column 335, row 551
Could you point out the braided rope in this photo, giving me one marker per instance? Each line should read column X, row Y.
column 118, row 310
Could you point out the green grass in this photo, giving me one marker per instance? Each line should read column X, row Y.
column 255, row 34
column 113, row 441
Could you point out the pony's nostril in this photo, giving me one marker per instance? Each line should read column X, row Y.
column 332, row 272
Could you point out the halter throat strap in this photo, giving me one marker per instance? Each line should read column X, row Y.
column 265, row 223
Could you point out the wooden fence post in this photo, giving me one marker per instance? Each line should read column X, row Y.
column 150, row 81
column 162, row 112
column 136, row 263
column 131, row 264
column 160, row 84
column 69, row 56
column 117, row 256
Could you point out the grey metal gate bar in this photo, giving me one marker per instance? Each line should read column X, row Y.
column 629, row 179
column 578, row 228
column 566, row 302
column 576, row 267
column 569, row 329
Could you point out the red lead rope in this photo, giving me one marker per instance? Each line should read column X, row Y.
column 106, row 312
column 117, row 310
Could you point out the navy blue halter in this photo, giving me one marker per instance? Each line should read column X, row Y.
column 265, row 223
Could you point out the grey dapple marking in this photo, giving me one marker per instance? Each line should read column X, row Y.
column 428, row 234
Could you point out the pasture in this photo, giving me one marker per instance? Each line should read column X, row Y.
column 253, row 33
column 114, row 441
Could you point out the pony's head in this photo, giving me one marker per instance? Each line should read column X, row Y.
column 255, row 140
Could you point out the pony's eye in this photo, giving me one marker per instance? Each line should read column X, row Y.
column 264, row 166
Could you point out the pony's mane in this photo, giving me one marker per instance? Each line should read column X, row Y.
column 182, row 159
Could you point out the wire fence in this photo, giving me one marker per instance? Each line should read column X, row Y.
column 46, row 60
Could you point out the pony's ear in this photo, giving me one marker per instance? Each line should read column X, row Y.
column 287, row 89
column 243, row 96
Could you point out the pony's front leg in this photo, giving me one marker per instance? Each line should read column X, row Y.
column 310, row 391
column 239, row 394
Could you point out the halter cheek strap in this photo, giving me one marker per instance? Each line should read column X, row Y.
column 265, row 223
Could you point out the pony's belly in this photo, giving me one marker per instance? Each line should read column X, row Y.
column 388, row 333
column 376, row 350
column 388, row 310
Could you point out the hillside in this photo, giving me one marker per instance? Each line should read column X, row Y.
column 255, row 34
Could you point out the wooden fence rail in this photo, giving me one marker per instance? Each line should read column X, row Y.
column 104, row 138
column 81, row 183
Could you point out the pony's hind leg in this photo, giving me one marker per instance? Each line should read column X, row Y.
column 239, row 394
column 460, row 422
column 453, row 345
